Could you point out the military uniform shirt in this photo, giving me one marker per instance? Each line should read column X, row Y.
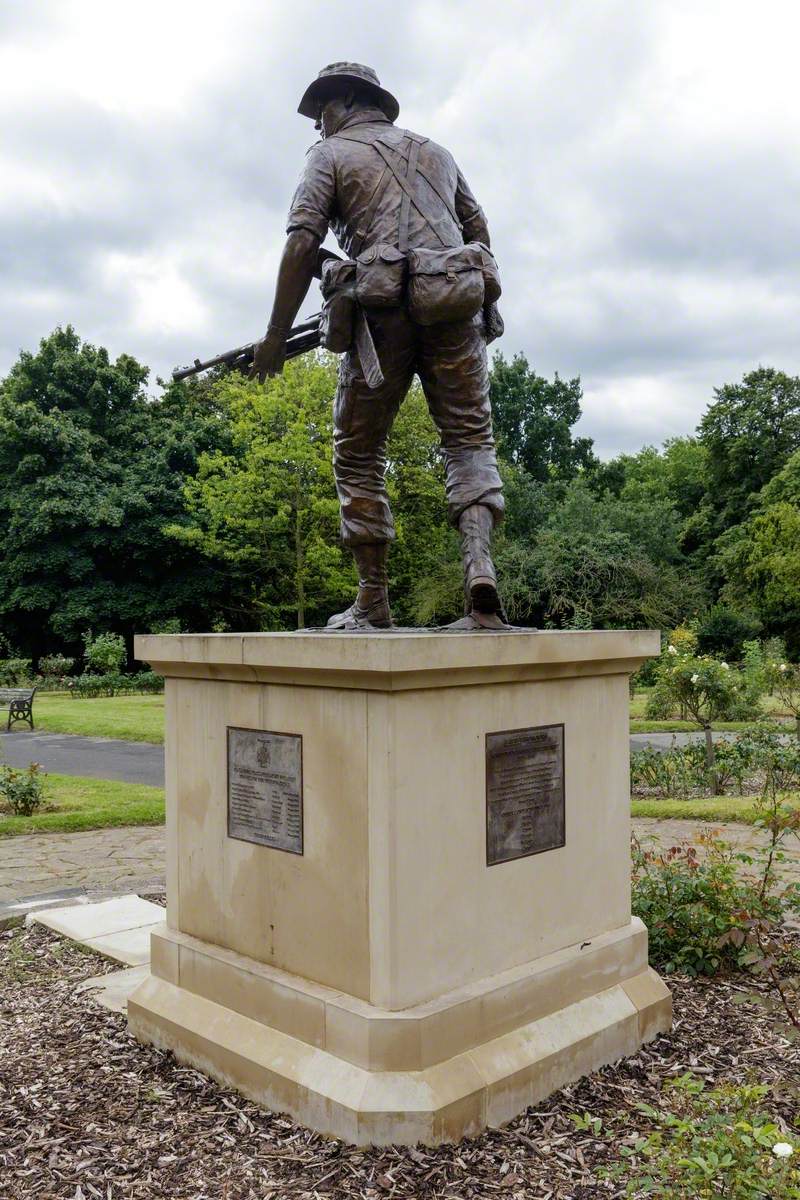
column 341, row 176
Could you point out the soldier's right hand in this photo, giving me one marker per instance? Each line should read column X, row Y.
column 269, row 357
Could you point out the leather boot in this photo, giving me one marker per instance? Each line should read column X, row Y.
column 480, row 580
column 371, row 607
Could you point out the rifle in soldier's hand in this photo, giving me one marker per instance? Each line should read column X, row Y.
column 301, row 339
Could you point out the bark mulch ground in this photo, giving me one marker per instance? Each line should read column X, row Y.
column 87, row 1112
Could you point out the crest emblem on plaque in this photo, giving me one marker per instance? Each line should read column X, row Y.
column 264, row 754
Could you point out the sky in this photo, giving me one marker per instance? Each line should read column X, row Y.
column 639, row 164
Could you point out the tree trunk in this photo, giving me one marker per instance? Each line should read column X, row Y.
column 711, row 759
column 298, row 552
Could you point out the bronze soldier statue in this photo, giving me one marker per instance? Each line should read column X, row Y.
column 415, row 294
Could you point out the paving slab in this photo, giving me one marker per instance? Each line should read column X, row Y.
column 88, row 921
column 129, row 946
column 113, row 990
column 119, row 928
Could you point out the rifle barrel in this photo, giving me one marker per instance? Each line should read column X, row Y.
column 300, row 339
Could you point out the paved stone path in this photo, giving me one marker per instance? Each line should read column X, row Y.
column 98, row 758
column 100, row 861
column 743, row 837
column 113, row 861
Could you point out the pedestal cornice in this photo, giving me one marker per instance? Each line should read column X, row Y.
column 398, row 660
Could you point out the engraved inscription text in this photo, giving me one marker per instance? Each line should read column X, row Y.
column 265, row 788
column 524, row 792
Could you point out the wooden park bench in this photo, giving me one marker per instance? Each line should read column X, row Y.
column 19, row 702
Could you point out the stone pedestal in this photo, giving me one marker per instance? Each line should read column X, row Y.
column 383, row 977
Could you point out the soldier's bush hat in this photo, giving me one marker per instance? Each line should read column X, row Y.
column 329, row 83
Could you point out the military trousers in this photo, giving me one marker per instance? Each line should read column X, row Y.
column 452, row 365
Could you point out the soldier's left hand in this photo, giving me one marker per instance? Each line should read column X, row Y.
column 270, row 355
column 493, row 323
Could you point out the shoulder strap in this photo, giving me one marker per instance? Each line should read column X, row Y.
column 405, row 201
column 424, row 174
column 389, row 153
column 369, row 213
column 408, row 190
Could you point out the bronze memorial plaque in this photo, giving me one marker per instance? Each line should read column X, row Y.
column 524, row 792
column 265, row 788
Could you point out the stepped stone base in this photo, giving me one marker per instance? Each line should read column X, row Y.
column 434, row 1073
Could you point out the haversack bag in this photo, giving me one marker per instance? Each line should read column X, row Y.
column 338, row 286
column 445, row 285
column 380, row 276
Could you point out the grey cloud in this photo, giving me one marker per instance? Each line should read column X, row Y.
column 652, row 263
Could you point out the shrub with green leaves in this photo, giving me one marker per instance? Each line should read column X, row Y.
column 698, row 910
column 22, row 789
column 677, row 773
column 15, row 672
column 90, row 687
column 148, row 682
column 723, row 631
column 104, row 653
column 705, row 689
column 785, row 684
column 711, row 1142
column 55, row 666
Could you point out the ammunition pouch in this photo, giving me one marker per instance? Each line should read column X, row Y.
column 380, row 276
column 338, row 287
column 446, row 285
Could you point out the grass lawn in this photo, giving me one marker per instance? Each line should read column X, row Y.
column 690, row 726
column 132, row 718
column 712, row 808
column 141, row 718
column 74, row 803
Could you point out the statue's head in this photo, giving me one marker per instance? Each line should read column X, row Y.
column 339, row 89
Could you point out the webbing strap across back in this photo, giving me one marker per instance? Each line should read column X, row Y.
column 409, row 193
column 369, row 215
column 434, row 188
column 405, row 201
column 388, row 154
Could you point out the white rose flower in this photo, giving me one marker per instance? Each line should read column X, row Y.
column 782, row 1150
column 695, row 678
column 725, row 666
column 784, row 667
column 671, row 650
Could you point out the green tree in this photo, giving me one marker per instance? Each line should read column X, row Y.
column 267, row 509
column 599, row 562
column 90, row 471
column 760, row 558
column 533, row 419
column 749, row 431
